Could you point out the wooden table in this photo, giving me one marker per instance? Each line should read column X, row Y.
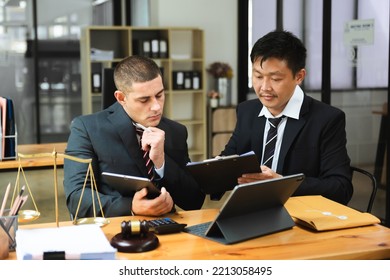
column 369, row 242
column 31, row 149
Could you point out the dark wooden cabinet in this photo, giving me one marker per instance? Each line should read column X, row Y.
column 221, row 123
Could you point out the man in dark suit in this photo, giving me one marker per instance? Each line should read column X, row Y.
column 109, row 138
column 311, row 136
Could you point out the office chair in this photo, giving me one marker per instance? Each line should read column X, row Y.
column 370, row 178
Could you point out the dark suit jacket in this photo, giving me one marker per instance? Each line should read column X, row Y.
column 314, row 145
column 110, row 140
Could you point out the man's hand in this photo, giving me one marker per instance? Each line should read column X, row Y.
column 267, row 173
column 152, row 207
column 153, row 140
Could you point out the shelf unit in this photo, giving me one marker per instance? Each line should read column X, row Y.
column 221, row 123
column 182, row 52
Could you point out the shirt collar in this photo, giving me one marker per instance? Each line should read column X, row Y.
column 292, row 108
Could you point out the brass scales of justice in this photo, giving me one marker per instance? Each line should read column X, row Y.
column 31, row 215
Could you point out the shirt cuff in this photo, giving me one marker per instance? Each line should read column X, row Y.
column 160, row 171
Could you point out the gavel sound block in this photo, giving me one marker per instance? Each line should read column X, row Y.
column 134, row 237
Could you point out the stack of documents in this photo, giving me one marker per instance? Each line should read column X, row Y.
column 97, row 54
column 84, row 242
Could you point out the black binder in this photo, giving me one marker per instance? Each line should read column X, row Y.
column 178, row 79
column 163, row 48
column 252, row 210
column 155, row 52
column 142, row 47
column 218, row 175
column 108, row 88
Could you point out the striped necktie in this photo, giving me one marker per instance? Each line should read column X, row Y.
column 145, row 154
column 271, row 141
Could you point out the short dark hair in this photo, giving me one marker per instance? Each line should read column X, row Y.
column 133, row 69
column 282, row 45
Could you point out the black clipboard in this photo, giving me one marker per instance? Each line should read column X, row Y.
column 218, row 175
column 252, row 210
column 126, row 185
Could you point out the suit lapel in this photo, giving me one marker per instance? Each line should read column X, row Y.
column 123, row 126
column 257, row 135
column 293, row 127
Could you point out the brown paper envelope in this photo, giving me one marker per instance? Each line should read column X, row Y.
column 320, row 213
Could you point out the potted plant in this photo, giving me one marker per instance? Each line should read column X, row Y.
column 222, row 74
column 214, row 98
column 220, row 70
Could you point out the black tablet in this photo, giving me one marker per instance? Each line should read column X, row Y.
column 252, row 210
column 127, row 185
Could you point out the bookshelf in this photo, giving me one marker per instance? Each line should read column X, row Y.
column 179, row 51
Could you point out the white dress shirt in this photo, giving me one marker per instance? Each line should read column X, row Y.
column 291, row 110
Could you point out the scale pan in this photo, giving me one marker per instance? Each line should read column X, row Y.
column 25, row 216
column 92, row 220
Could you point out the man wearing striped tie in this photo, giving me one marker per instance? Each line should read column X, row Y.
column 110, row 138
column 289, row 131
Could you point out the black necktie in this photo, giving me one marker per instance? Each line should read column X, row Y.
column 145, row 154
column 271, row 141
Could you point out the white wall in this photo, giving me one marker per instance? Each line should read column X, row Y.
column 218, row 19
